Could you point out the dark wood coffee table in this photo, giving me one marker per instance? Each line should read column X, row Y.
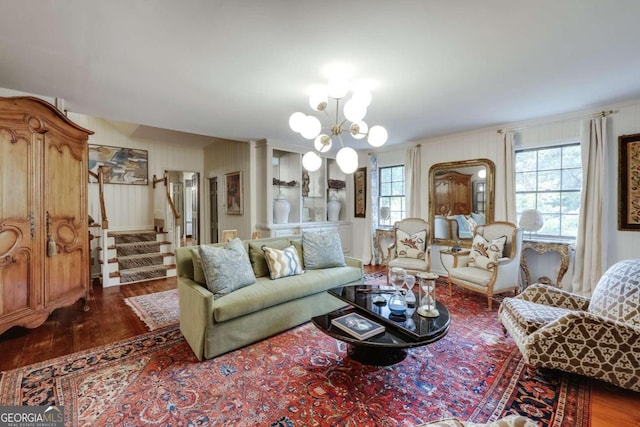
column 401, row 332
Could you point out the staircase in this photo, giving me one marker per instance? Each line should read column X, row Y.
column 137, row 256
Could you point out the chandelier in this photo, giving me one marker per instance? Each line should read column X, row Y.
column 352, row 122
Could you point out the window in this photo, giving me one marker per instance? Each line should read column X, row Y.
column 391, row 195
column 549, row 180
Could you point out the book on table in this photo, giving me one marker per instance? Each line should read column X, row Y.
column 357, row 326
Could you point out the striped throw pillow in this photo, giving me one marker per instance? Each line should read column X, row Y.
column 282, row 263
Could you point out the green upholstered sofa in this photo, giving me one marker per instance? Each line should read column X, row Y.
column 267, row 307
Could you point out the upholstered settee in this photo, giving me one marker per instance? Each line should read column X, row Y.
column 213, row 326
column 597, row 337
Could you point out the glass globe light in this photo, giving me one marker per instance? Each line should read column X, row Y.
column 354, row 111
column 482, row 173
column 347, row 159
column 359, row 130
column 318, row 98
column 311, row 161
column 363, row 96
column 296, row 121
column 377, row 136
column 337, row 87
column 311, row 127
column 322, row 143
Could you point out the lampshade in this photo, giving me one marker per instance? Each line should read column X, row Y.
column 347, row 159
column 531, row 220
column 311, row 161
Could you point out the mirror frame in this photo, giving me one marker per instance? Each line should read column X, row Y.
column 489, row 194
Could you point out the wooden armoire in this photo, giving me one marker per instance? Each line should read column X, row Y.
column 44, row 244
column 452, row 193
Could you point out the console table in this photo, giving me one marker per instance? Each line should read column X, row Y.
column 541, row 247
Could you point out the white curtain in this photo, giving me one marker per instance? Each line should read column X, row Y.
column 589, row 261
column 509, row 178
column 412, row 180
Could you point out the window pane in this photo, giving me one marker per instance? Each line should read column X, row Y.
column 396, row 204
column 551, row 225
column 570, row 225
column 397, row 173
column 385, row 174
column 549, row 203
column 525, row 201
column 526, row 161
column 571, row 157
column 385, row 189
column 397, row 188
column 571, row 179
column 571, row 202
column 526, row 181
column 549, row 180
column 550, row 158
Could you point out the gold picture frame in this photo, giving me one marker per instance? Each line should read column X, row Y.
column 629, row 182
column 360, row 192
column 233, row 193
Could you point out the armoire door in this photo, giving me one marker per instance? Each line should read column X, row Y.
column 64, row 181
column 19, row 290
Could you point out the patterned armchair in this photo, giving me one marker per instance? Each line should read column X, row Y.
column 410, row 248
column 493, row 263
column 597, row 337
column 508, row 421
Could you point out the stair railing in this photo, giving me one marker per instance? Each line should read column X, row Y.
column 172, row 224
column 104, row 223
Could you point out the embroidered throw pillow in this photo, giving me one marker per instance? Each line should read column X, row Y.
column 411, row 246
column 282, row 263
column 322, row 250
column 226, row 269
column 483, row 252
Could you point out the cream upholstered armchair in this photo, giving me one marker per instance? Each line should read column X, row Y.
column 493, row 263
column 410, row 248
column 598, row 337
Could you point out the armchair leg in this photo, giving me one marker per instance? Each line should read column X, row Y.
column 504, row 330
column 489, row 301
column 449, row 280
column 529, row 371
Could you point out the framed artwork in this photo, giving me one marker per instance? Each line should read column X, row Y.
column 360, row 192
column 629, row 182
column 233, row 191
column 122, row 165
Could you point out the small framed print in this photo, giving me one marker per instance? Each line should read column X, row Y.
column 629, row 182
column 233, row 191
column 360, row 192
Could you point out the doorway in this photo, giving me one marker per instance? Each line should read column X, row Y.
column 184, row 189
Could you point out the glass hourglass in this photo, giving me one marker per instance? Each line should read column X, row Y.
column 428, row 303
column 410, row 297
column 397, row 303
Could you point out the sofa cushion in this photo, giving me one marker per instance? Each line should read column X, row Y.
column 322, row 250
column 483, row 251
column 531, row 316
column 198, row 272
column 256, row 255
column 282, row 263
column 266, row 293
column 226, row 268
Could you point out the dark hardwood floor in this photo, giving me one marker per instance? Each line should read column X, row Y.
column 71, row 329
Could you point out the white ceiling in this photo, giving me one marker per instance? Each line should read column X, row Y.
column 237, row 69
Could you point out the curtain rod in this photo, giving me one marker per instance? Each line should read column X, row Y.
column 602, row 113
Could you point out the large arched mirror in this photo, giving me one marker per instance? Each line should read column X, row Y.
column 461, row 195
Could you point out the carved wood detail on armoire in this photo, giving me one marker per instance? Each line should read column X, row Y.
column 44, row 249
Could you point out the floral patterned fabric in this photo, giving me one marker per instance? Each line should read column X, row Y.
column 226, row 269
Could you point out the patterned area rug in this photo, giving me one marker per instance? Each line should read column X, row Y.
column 156, row 310
column 303, row 378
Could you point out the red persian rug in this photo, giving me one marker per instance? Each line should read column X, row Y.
column 302, row 377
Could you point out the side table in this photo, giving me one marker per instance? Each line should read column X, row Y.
column 541, row 247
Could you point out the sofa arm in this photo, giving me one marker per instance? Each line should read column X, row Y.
column 550, row 295
column 354, row 262
column 196, row 313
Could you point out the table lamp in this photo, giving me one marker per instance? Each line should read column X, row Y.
column 531, row 220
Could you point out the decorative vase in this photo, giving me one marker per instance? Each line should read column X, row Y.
column 281, row 208
column 333, row 208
